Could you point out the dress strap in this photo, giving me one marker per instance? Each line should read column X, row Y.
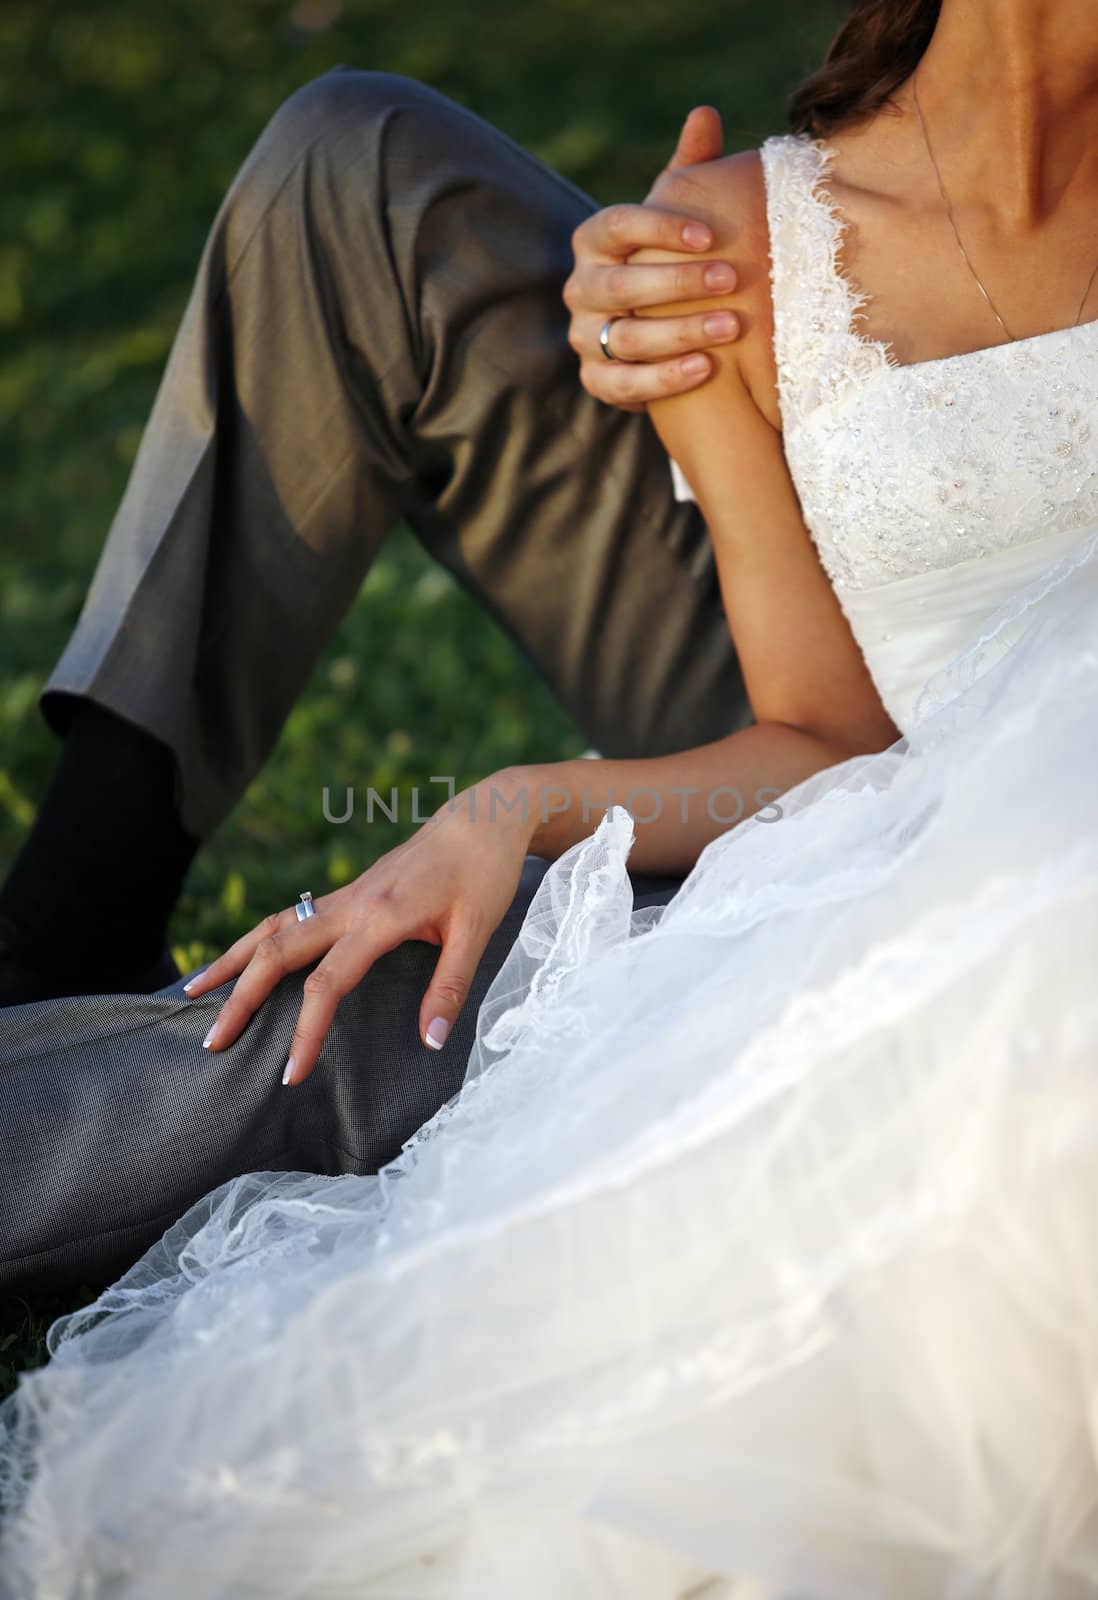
column 817, row 349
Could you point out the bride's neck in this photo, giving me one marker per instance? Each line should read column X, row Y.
column 1009, row 89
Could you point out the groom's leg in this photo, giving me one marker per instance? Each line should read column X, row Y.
column 115, row 1119
column 376, row 331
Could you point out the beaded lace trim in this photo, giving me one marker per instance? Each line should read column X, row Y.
column 912, row 468
column 817, row 346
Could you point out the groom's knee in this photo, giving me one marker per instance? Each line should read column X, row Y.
column 345, row 95
column 337, row 115
column 349, row 135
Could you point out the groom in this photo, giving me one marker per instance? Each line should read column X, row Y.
column 378, row 330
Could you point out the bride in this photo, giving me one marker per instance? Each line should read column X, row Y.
column 758, row 1253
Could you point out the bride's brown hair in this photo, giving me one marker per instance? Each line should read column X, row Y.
column 877, row 48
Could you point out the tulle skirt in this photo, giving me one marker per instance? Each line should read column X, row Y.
column 758, row 1254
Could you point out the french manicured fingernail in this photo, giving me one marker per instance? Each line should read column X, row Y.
column 187, row 987
column 697, row 234
column 210, row 1037
column 719, row 325
column 695, row 364
column 288, row 1075
column 437, row 1029
column 719, row 275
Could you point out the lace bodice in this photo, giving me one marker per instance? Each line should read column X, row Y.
column 903, row 469
column 909, row 473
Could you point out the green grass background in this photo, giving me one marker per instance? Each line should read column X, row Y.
column 121, row 125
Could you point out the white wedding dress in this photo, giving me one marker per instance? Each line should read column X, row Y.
column 758, row 1254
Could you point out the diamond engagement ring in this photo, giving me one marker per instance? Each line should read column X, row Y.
column 305, row 907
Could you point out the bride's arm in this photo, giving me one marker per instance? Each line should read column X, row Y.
column 802, row 665
column 812, row 696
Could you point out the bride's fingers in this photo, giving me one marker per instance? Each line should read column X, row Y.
column 233, row 961
column 453, row 976
column 292, row 945
column 346, row 964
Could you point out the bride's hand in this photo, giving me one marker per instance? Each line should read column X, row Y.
column 449, row 884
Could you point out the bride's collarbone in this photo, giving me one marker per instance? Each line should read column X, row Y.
column 922, row 301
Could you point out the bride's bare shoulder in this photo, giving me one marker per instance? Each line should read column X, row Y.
column 730, row 191
column 730, row 195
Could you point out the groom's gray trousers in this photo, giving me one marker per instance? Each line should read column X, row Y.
column 375, row 333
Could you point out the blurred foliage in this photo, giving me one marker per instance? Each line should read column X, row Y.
column 122, row 125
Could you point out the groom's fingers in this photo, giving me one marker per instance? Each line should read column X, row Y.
column 616, row 231
column 632, row 385
column 644, row 339
column 701, row 139
column 605, row 286
column 630, row 286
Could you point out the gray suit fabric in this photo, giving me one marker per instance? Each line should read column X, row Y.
column 115, row 1119
column 375, row 333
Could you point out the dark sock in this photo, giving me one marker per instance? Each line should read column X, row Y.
column 88, row 899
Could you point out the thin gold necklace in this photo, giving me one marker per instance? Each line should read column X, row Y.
column 960, row 243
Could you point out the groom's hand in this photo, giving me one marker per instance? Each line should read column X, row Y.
column 653, row 356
